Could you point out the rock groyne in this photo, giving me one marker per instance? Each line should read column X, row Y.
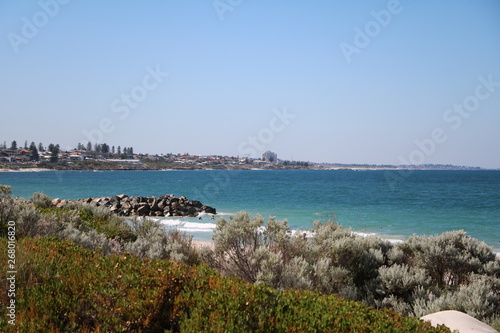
column 165, row 205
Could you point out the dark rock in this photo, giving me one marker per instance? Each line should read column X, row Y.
column 126, row 205
column 195, row 203
column 154, row 205
column 143, row 209
column 123, row 205
column 208, row 210
column 162, row 204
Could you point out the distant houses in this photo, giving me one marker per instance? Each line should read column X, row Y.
column 8, row 155
column 77, row 155
column 27, row 156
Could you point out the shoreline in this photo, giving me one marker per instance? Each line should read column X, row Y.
column 26, row 170
column 355, row 169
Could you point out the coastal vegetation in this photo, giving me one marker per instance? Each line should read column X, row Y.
column 83, row 268
column 417, row 277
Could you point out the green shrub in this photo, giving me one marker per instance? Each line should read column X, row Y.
column 402, row 280
column 449, row 258
column 27, row 218
column 154, row 242
column 6, row 208
column 63, row 287
column 41, row 200
column 479, row 299
column 333, row 261
column 213, row 304
column 104, row 221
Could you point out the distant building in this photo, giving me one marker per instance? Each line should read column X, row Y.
column 258, row 162
column 269, row 156
column 76, row 156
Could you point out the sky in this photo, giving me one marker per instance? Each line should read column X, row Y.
column 377, row 82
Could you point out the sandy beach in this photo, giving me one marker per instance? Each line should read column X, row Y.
column 201, row 244
column 24, row 170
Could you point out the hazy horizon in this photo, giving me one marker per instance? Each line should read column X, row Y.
column 371, row 82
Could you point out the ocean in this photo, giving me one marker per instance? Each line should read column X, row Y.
column 392, row 204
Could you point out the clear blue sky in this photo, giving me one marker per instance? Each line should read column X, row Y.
column 353, row 82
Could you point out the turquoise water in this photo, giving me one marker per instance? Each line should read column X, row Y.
column 419, row 202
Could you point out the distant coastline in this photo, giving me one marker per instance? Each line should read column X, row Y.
column 159, row 166
column 103, row 157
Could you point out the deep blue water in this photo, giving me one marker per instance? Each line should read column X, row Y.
column 393, row 205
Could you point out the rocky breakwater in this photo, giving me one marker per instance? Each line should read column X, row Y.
column 165, row 205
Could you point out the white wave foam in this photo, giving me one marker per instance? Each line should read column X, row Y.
column 185, row 225
column 197, row 227
column 189, row 225
column 365, row 234
column 307, row 234
column 171, row 222
column 384, row 237
column 225, row 214
column 194, row 225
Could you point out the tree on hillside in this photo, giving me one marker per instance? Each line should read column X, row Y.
column 127, row 151
column 89, row 147
column 34, row 152
column 104, row 148
column 13, row 145
column 54, row 153
column 113, row 150
column 119, row 151
column 25, row 144
column 40, row 147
